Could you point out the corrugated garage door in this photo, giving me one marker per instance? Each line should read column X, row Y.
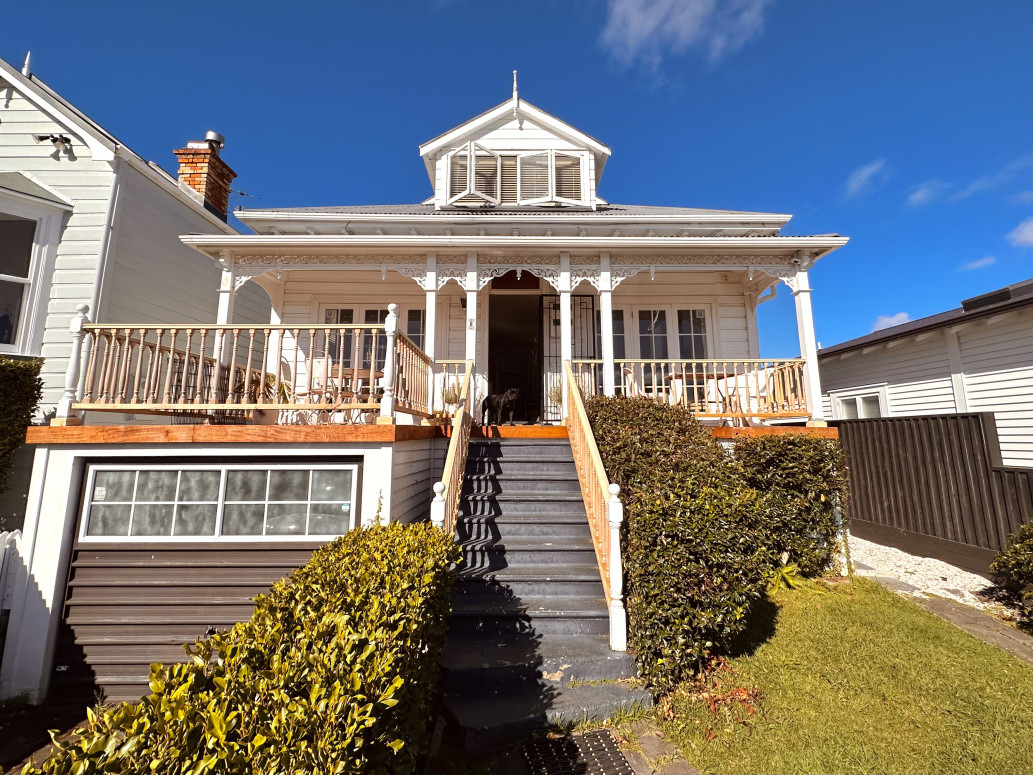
column 164, row 553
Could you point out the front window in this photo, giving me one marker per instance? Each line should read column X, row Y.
column 212, row 502
column 17, row 236
column 859, row 403
column 692, row 334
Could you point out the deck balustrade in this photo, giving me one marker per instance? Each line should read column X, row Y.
column 744, row 389
column 272, row 373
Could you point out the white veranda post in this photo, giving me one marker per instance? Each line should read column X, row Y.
column 430, row 325
column 606, row 326
column 808, row 347
column 566, row 323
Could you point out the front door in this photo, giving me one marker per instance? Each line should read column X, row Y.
column 514, row 359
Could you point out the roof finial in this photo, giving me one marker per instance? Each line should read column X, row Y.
column 27, row 67
column 515, row 86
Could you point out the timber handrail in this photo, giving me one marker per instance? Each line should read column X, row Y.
column 726, row 388
column 603, row 505
column 444, row 508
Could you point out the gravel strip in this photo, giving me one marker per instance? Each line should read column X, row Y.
column 930, row 577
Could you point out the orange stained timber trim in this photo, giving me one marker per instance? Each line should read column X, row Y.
column 228, row 434
column 774, row 430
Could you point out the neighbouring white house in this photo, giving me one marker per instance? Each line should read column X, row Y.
column 356, row 401
column 85, row 220
column 976, row 358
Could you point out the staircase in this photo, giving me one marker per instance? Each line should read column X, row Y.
column 530, row 614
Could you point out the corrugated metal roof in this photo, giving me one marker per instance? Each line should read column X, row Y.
column 1018, row 295
column 422, row 209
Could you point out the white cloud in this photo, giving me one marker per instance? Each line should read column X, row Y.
column 926, row 192
column 988, row 182
column 867, row 178
column 647, row 30
column 1022, row 235
column 979, row 263
column 887, row 321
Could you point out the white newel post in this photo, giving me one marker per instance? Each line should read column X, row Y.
column 437, row 506
column 606, row 326
column 66, row 415
column 387, row 400
column 808, row 347
column 618, row 615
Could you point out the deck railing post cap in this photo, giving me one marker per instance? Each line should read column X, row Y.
column 439, row 488
column 615, row 489
column 83, row 309
column 392, row 308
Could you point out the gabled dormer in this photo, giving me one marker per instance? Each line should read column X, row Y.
column 514, row 155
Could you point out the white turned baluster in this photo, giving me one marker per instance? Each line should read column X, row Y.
column 66, row 415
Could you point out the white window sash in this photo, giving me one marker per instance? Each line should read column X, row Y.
column 222, row 468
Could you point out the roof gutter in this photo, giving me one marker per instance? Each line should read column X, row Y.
column 269, row 215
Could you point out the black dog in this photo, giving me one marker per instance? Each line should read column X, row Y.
column 498, row 405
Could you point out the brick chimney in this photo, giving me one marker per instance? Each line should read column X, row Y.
column 203, row 170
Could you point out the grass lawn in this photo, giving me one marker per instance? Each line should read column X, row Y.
column 852, row 678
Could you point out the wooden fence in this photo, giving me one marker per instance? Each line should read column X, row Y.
column 935, row 485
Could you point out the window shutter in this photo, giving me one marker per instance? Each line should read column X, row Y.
column 533, row 177
column 509, row 180
column 458, row 176
column 568, row 178
column 485, row 183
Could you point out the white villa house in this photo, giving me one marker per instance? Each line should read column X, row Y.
column 359, row 400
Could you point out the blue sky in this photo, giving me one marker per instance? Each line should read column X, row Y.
column 906, row 125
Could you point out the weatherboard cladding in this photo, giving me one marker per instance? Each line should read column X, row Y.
column 128, row 605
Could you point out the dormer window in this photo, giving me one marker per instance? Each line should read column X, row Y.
column 536, row 178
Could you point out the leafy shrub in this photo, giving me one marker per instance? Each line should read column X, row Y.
column 21, row 389
column 335, row 672
column 696, row 553
column 811, row 473
column 1012, row 568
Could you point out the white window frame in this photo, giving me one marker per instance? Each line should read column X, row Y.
column 879, row 390
column 631, row 338
column 550, row 196
column 94, row 467
column 32, row 318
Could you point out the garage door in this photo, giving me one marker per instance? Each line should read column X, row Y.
column 165, row 553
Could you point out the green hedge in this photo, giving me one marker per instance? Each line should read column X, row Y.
column 695, row 556
column 1012, row 569
column 811, row 473
column 336, row 671
column 21, row 389
column 704, row 533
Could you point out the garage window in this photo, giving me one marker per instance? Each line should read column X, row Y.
column 219, row 503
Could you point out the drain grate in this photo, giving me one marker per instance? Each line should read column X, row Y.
column 593, row 753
